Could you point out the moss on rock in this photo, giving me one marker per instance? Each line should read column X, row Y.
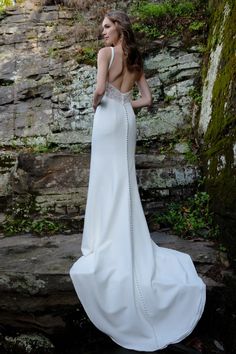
column 224, row 99
column 220, row 137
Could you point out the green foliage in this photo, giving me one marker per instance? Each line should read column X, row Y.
column 21, row 219
column 145, row 10
column 170, row 17
column 190, row 218
column 202, row 48
column 150, row 31
column 13, row 226
column 5, row 3
column 196, row 96
column 78, row 17
column 191, row 157
column 197, row 26
column 40, row 148
column 86, row 55
column 222, row 248
column 184, row 8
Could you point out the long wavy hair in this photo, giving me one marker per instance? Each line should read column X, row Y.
column 133, row 56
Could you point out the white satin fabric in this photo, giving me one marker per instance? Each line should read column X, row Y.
column 143, row 296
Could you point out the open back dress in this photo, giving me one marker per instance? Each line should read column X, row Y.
column 143, row 296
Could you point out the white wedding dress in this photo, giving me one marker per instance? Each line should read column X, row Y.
column 143, row 296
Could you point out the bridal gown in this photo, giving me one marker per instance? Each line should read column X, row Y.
column 143, row 296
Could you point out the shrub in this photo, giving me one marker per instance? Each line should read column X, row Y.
column 190, row 218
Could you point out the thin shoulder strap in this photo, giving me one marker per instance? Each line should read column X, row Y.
column 112, row 57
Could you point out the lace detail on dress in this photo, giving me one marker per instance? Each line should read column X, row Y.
column 114, row 93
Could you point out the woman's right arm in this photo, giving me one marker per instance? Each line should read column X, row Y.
column 102, row 69
column 146, row 97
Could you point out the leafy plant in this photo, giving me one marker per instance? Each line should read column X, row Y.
column 147, row 10
column 222, row 248
column 191, row 218
column 86, row 55
column 184, row 8
column 21, row 218
column 167, row 18
column 196, row 96
column 5, row 3
column 197, row 26
column 41, row 148
column 12, row 226
column 45, row 226
column 191, row 157
column 149, row 30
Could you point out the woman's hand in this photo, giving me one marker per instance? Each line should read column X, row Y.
column 96, row 99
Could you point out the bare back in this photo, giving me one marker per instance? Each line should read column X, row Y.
column 113, row 69
column 118, row 74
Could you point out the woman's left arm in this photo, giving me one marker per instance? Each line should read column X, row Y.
column 102, row 69
column 146, row 96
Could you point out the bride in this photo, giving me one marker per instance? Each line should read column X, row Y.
column 143, row 296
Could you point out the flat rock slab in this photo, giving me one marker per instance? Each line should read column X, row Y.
column 55, row 254
column 35, row 287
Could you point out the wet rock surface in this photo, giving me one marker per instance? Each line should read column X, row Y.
column 35, row 285
column 37, row 296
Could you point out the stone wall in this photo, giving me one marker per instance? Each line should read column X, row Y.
column 47, row 76
column 217, row 120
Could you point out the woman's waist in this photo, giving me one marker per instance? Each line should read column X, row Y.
column 115, row 94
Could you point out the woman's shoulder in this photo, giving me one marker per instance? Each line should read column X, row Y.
column 105, row 51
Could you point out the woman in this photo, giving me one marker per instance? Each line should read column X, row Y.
column 143, row 296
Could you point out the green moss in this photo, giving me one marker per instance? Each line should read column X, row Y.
column 221, row 133
column 224, row 98
column 222, row 146
column 222, row 189
column 216, row 17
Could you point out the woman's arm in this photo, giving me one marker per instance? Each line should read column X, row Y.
column 102, row 69
column 146, row 97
